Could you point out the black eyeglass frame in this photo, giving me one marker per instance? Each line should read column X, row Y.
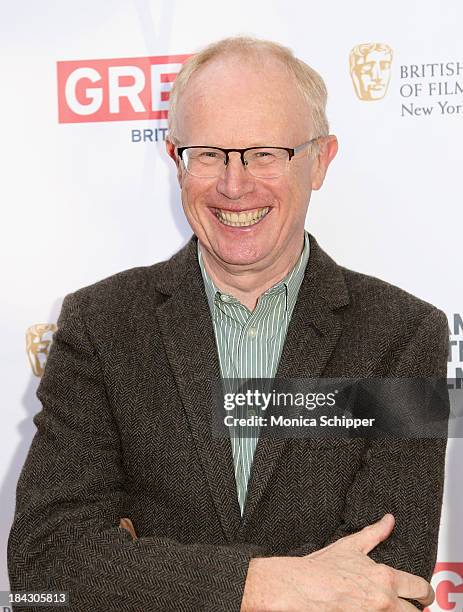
column 291, row 152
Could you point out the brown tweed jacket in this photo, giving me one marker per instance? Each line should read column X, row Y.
column 125, row 431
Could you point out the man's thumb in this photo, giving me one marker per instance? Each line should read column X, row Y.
column 369, row 537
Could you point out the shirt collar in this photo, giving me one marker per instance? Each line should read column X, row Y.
column 292, row 281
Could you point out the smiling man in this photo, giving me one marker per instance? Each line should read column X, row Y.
column 238, row 523
column 250, row 219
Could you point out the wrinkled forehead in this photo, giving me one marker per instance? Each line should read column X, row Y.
column 238, row 99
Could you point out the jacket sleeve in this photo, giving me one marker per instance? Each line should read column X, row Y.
column 70, row 498
column 403, row 476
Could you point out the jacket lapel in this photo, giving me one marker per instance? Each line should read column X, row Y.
column 188, row 335
column 312, row 335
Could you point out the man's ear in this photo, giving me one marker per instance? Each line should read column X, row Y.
column 170, row 148
column 328, row 147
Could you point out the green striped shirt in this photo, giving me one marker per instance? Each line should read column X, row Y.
column 249, row 344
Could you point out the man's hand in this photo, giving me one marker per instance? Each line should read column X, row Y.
column 338, row 577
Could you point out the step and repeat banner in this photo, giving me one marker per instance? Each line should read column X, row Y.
column 87, row 189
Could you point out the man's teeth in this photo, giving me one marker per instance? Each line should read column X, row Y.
column 242, row 219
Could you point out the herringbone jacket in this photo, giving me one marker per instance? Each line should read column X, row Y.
column 125, row 432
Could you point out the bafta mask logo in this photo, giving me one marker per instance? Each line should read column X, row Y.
column 370, row 70
column 38, row 342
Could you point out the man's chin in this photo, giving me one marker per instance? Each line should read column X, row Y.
column 239, row 257
column 239, row 260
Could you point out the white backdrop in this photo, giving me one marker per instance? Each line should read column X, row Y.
column 84, row 200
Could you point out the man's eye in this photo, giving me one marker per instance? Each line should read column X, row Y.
column 262, row 157
column 212, row 154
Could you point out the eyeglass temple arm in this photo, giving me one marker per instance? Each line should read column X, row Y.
column 305, row 144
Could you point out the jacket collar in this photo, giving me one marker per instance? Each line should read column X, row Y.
column 323, row 283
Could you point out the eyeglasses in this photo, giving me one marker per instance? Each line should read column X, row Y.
column 261, row 162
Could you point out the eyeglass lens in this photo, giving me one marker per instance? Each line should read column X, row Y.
column 265, row 162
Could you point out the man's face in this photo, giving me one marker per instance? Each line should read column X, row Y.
column 237, row 103
column 372, row 72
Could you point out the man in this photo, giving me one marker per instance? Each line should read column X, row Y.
column 127, row 394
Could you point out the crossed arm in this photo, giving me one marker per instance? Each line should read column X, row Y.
column 66, row 533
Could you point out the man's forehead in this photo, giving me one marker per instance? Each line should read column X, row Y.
column 244, row 74
column 250, row 94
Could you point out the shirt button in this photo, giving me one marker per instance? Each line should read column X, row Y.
column 252, row 332
column 225, row 298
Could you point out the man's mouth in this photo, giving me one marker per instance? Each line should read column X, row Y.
column 242, row 219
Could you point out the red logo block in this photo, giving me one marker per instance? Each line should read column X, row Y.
column 447, row 582
column 123, row 89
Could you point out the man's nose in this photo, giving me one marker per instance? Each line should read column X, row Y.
column 235, row 181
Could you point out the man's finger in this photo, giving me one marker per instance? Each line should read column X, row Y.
column 127, row 524
column 409, row 586
column 369, row 537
